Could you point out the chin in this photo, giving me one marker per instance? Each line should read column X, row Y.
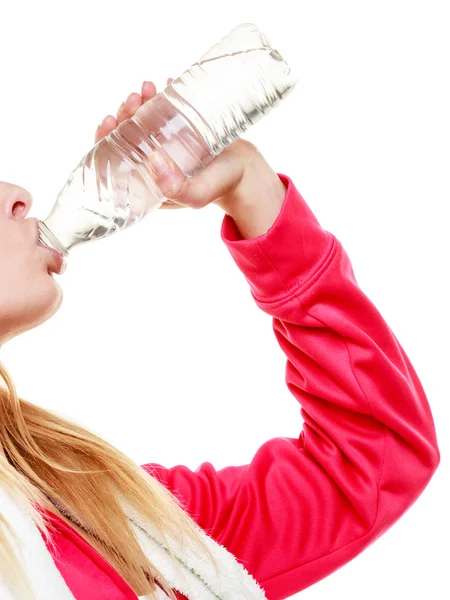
column 53, row 297
column 47, row 302
column 29, row 307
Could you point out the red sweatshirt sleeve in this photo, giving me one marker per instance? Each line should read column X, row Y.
column 367, row 447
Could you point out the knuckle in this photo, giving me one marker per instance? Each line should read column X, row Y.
column 245, row 146
column 180, row 195
column 202, row 194
column 190, row 197
column 244, row 151
column 250, row 153
column 197, row 205
column 253, row 151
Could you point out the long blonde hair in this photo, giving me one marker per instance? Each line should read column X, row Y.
column 42, row 454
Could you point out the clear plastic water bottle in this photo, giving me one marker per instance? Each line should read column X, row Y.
column 232, row 86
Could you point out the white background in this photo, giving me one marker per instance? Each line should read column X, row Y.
column 158, row 345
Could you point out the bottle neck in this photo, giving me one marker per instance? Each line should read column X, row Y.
column 47, row 238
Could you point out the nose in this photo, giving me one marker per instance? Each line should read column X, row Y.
column 15, row 201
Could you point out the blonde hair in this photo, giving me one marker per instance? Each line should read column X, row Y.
column 42, row 455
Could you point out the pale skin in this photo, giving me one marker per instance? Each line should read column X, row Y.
column 238, row 180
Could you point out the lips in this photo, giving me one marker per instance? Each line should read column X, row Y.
column 58, row 264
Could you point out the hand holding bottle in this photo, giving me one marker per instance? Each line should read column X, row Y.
column 235, row 180
column 194, row 126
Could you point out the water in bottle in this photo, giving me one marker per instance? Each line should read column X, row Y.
column 237, row 82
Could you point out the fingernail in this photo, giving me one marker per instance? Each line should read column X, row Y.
column 159, row 163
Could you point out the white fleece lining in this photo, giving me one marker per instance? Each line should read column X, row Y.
column 191, row 575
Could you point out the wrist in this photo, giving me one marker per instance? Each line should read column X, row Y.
column 257, row 200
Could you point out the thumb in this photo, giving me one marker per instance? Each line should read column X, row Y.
column 166, row 173
column 219, row 178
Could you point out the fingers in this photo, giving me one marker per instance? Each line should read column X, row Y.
column 126, row 110
column 129, row 107
column 108, row 124
column 148, row 90
column 220, row 178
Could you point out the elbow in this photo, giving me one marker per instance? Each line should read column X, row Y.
column 435, row 459
column 406, row 473
column 426, row 462
column 431, row 455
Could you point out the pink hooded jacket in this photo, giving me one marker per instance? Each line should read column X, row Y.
column 366, row 448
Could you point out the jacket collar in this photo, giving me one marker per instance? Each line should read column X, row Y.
column 190, row 574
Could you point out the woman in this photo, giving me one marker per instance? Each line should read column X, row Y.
column 78, row 519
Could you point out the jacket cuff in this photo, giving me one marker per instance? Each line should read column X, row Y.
column 285, row 256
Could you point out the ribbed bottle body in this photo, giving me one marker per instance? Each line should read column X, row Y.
column 113, row 187
column 231, row 87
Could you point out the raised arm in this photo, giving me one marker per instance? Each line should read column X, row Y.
column 367, row 448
